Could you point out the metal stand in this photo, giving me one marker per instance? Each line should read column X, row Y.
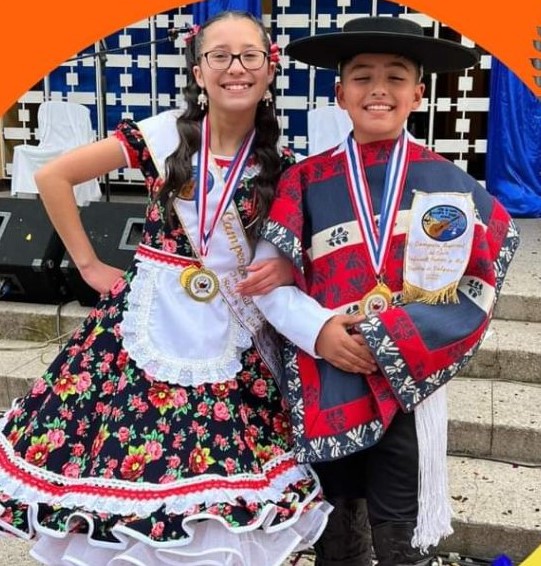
column 100, row 54
column 101, row 61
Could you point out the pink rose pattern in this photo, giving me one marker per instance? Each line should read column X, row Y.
column 94, row 414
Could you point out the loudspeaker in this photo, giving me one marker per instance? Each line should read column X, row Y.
column 115, row 230
column 30, row 254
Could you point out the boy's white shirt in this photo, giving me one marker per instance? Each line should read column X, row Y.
column 292, row 312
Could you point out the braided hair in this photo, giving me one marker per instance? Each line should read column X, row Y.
column 178, row 165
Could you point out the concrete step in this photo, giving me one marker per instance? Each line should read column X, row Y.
column 520, row 298
column 520, row 304
column 15, row 551
column 21, row 362
column 31, row 321
column 497, row 509
column 497, row 420
column 511, row 350
column 39, row 323
column 489, row 418
column 493, row 418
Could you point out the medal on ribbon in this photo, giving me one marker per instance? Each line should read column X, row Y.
column 186, row 273
column 377, row 239
column 377, row 300
column 200, row 283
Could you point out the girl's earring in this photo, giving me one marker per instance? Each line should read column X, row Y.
column 267, row 97
column 203, row 99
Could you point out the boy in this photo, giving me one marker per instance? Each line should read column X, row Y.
column 399, row 257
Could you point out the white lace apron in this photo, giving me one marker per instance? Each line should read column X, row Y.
column 170, row 335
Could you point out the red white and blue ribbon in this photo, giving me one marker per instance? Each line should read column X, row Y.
column 232, row 177
column 378, row 240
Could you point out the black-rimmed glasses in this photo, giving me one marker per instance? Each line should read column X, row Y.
column 251, row 59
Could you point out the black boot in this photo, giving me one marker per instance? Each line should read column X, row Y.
column 346, row 540
column 392, row 544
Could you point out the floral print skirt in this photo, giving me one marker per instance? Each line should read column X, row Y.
column 101, row 465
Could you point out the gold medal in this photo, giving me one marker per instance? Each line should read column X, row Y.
column 202, row 284
column 187, row 191
column 377, row 300
column 183, row 279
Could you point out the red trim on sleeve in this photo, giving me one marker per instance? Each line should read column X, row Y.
column 133, row 159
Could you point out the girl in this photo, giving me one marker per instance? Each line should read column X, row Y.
column 158, row 435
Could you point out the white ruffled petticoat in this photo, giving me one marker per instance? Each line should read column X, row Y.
column 259, row 547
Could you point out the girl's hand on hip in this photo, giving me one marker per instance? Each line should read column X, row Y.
column 100, row 276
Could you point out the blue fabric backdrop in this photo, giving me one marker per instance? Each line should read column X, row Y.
column 204, row 10
column 514, row 144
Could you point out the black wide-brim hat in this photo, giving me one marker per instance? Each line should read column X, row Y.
column 379, row 34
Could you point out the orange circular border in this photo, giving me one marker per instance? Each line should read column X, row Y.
column 28, row 51
column 38, row 36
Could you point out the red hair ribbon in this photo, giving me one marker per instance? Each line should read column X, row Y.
column 193, row 31
column 274, row 53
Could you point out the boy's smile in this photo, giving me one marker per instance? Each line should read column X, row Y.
column 379, row 91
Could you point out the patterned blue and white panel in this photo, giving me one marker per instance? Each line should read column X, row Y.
column 453, row 117
column 143, row 80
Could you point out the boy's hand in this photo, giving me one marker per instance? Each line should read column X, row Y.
column 343, row 350
column 266, row 275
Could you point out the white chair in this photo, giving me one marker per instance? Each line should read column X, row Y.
column 327, row 127
column 61, row 126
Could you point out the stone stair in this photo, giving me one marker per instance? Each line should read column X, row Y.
column 494, row 407
column 495, row 422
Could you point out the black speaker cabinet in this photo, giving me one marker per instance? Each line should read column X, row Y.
column 115, row 229
column 30, row 254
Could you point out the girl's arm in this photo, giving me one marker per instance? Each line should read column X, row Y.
column 55, row 182
column 268, row 270
column 318, row 331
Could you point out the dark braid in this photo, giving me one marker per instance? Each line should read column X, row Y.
column 178, row 165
